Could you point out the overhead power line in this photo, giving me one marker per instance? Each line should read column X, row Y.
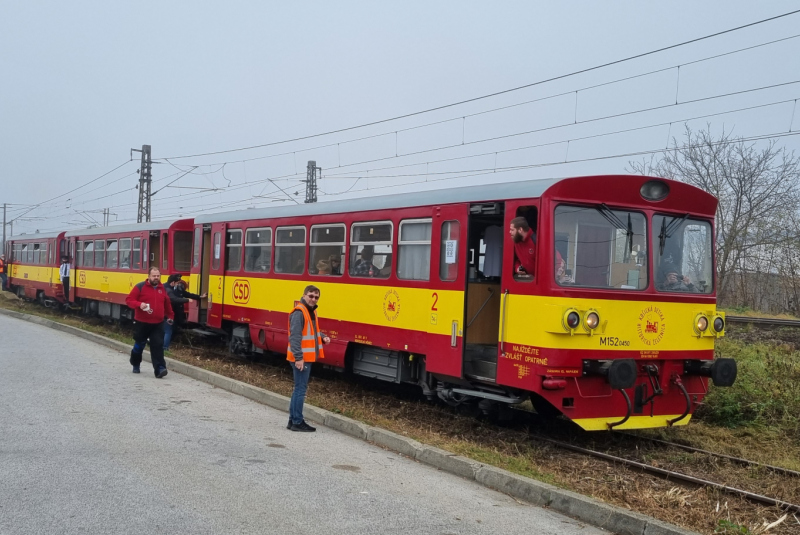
column 497, row 93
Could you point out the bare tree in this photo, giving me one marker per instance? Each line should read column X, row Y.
column 758, row 191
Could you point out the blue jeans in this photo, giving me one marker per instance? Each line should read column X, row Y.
column 299, row 392
column 167, row 335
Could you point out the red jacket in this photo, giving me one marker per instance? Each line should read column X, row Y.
column 156, row 297
column 525, row 253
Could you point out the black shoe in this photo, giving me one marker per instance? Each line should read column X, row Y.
column 136, row 369
column 289, row 425
column 161, row 373
column 303, row 426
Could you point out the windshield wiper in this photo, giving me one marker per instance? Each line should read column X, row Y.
column 668, row 230
column 612, row 218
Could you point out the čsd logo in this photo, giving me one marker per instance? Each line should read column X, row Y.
column 241, row 291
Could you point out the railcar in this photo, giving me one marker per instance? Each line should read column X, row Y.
column 34, row 261
column 601, row 332
column 109, row 261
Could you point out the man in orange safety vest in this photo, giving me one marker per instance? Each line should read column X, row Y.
column 305, row 347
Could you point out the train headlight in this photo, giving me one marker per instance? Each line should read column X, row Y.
column 592, row 320
column 572, row 319
column 719, row 324
column 701, row 323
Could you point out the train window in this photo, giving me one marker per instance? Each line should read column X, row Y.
column 111, row 254
column 598, row 247
column 165, row 252
column 215, row 260
column 137, row 253
column 79, row 255
column 37, row 247
column 326, row 253
column 233, row 255
column 198, row 245
column 682, row 254
column 448, row 255
column 88, row 253
column 125, row 253
column 414, row 250
column 371, row 249
column 182, row 250
column 258, row 250
column 99, row 253
column 290, row 250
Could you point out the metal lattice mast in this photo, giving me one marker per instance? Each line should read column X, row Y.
column 312, row 173
column 145, row 182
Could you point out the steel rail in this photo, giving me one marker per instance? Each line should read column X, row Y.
column 669, row 474
column 762, row 321
column 739, row 460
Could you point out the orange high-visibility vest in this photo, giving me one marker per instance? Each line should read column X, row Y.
column 311, row 343
column 2, row 267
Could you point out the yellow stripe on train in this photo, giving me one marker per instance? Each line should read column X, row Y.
column 45, row 274
column 107, row 281
column 634, row 422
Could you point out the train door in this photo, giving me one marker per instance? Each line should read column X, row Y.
column 71, row 245
column 513, row 365
column 201, row 262
column 486, row 238
column 155, row 250
column 448, row 251
column 165, row 255
column 216, row 278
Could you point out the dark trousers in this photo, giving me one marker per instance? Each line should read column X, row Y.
column 155, row 333
column 4, row 280
column 65, row 284
column 299, row 392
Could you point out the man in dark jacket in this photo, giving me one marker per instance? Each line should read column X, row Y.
column 178, row 297
column 151, row 303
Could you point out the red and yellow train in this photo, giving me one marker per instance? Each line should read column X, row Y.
column 614, row 329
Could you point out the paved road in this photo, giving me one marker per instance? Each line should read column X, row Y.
column 88, row 447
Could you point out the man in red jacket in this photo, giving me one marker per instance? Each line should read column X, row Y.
column 151, row 303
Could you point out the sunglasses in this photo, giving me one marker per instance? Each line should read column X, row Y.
column 312, row 296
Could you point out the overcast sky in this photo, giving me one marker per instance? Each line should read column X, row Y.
column 81, row 83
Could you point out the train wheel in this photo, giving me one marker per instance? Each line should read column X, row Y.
column 543, row 407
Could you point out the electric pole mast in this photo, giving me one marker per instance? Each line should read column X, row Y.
column 312, row 173
column 4, row 229
column 145, row 182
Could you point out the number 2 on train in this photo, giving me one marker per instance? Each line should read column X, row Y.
column 435, row 300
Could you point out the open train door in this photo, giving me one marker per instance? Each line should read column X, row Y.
column 73, row 273
column 216, row 278
column 448, row 280
column 198, row 279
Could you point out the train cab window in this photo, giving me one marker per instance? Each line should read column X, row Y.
column 137, row 253
column 182, row 250
column 599, row 247
column 290, row 250
column 99, row 253
column 448, row 256
column 165, row 252
column 198, row 245
column 414, row 250
column 682, row 254
column 371, row 249
column 125, row 253
column 79, row 255
column 215, row 259
column 258, row 250
column 88, row 254
column 233, row 254
column 111, row 254
column 326, row 252
column 525, row 243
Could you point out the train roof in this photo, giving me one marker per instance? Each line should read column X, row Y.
column 118, row 229
column 484, row 193
column 35, row 236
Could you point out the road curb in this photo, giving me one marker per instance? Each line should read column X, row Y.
column 584, row 508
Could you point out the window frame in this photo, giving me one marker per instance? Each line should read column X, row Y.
column 429, row 243
column 442, row 249
column 85, row 250
column 134, row 250
column 355, row 224
column 343, row 244
column 228, row 246
column 261, row 244
column 115, row 241
column 129, row 250
column 304, row 245
column 101, row 250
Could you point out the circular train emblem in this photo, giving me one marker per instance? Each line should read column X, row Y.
column 391, row 305
column 651, row 326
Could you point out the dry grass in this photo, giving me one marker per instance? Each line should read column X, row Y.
column 402, row 410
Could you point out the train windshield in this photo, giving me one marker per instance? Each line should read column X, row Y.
column 598, row 247
column 682, row 254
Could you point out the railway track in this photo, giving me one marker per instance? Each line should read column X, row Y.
column 685, row 478
column 773, row 322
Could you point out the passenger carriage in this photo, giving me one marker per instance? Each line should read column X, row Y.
column 34, row 262
column 594, row 334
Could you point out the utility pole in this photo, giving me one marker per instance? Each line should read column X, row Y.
column 145, row 181
column 3, row 250
column 312, row 173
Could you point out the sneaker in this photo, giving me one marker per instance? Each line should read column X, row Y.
column 136, row 369
column 303, row 426
column 161, row 373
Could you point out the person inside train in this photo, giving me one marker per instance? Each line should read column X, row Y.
column 673, row 281
column 364, row 266
column 524, row 248
column 323, row 267
column 336, row 264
